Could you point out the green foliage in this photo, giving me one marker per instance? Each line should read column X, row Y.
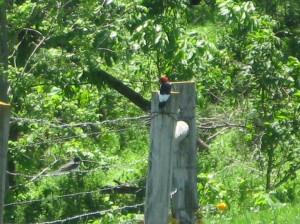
column 287, row 214
column 269, row 84
column 230, row 174
column 248, row 85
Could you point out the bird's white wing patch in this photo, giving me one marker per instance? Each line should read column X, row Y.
column 162, row 97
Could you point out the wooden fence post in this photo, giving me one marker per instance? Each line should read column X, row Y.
column 162, row 130
column 184, row 173
column 4, row 132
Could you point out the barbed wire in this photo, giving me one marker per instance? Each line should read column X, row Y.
column 56, row 197
column 81, row 135
column 94, row 213
column 73, row 194
column 50, row 140
column 233, row 164
column 79, row 171
column 220, row 120
column 58, row 124
column 54, row 123
column 83, row 124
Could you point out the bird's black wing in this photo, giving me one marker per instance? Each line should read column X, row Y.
column 165, row 88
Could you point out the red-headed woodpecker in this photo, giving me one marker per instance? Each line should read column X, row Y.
column 164, row 92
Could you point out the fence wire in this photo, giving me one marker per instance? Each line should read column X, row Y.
column 80, row 171
column 59, row 124
column 94, row 213
column 73, row 194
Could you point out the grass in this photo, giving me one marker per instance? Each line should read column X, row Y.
column 286, row 215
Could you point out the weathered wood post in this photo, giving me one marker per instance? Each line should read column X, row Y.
column 162, row 132
column 4, row 132
column 184, row 173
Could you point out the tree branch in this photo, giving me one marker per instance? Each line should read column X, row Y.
column 99, row 76
column 288, row 175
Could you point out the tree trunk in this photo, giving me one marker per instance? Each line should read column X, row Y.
column 3, row 52
column 4, row 132
column 269, row 168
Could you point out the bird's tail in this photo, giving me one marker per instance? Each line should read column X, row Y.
column 162, row 104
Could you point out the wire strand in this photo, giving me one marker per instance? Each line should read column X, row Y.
column 80, row 171
column 55, row 124
column 72, row 195
column 94, row 213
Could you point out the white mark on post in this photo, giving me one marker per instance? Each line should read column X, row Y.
column 181, row 131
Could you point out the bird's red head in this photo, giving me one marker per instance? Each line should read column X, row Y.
column 163, row 79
